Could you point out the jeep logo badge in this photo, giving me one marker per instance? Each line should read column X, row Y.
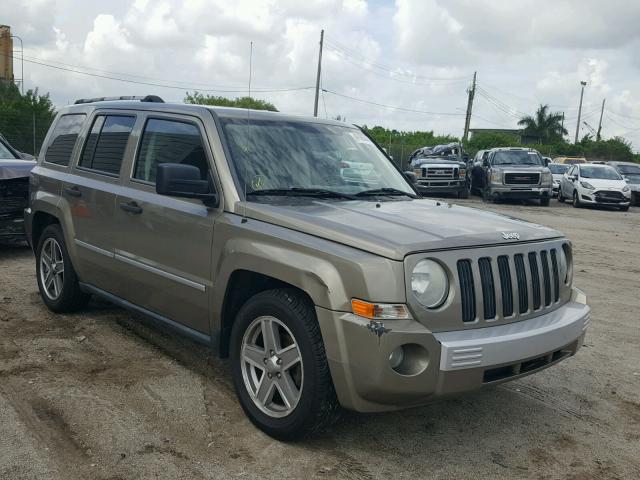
column 511, row 236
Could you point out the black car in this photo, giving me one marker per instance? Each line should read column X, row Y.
column 15, row 168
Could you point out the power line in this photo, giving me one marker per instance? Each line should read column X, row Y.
column 161, row 85
column 346, row 52
column 391, row 106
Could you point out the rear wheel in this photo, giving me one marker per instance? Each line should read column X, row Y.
column 57, row 280
column 280, row 369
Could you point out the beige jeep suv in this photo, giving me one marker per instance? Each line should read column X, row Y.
column 240, row 230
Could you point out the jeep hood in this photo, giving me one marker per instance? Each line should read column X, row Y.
column 395, row 229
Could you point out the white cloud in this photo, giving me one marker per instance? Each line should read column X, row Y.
column 526, row 52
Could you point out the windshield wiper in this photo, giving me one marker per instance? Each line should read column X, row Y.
column 301, row 192
column 385, row 191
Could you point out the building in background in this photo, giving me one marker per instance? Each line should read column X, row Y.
column 6, row 54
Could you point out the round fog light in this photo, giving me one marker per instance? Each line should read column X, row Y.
column 396, row 357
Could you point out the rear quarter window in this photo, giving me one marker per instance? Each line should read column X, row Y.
column 63, row 138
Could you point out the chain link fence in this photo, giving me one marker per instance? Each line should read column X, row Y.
column 24, row 130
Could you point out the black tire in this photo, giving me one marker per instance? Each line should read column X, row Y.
column 624, row 209
column 561, row 198
column 486, row 195
column 70, row 298
column 318, row 405
column 576, row 200
column 544, row 202
column 463, row 193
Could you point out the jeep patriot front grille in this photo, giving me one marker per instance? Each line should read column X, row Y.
column 505, row 282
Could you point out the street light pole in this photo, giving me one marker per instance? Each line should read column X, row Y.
column 579, row 112
column 21, row 62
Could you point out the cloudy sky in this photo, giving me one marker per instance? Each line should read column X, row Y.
column 415, row 55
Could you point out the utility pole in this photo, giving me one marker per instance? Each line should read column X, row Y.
column 600, row 122
column 467, row 120
column 562, row 124
column 579, row 111
column 315, row 104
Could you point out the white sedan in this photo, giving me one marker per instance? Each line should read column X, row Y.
column 589, row 184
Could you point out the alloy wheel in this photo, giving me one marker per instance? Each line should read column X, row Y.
column 272, row 367
column 52, row 268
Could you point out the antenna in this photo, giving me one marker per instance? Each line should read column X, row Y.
column 244, row 206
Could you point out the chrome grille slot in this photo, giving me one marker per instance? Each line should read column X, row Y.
column 521, row 276
column 535, row 280
column 546, row 277
column 556, row 276
column 467, row 291
column 440, row 172
column 505, row 285
column 488, row 288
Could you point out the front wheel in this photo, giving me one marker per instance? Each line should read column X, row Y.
column 625, row 208
column 544, row 202
column 486, row 194
column 463, row 193
column 560, row 196
column 576, row 199
column 279, row 366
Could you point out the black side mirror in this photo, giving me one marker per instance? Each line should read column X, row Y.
column 411, row 177
column 178, row 180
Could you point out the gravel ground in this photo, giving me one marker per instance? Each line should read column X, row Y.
column 102, row 395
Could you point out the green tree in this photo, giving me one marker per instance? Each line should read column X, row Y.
column 240, row 102
column 24, row 119
column 487, row 140
column 545, row 125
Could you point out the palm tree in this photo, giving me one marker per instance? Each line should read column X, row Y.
column 545, row 125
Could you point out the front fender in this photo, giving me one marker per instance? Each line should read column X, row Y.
column 330, row 273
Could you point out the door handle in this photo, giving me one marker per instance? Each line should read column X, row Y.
column 73, row 191
column 131, row 207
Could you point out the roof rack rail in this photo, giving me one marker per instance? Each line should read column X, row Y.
column 147, row 98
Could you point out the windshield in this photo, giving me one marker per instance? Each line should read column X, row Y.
column 604, row 173
column 517, row 157
column 284, row 155
column 5, row 153
column 629, row 169
column 558, row 168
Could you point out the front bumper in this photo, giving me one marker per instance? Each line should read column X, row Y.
column 591, row 197
column 520, row 192
column 445, row 363
column 440, row 186
column 12, row 226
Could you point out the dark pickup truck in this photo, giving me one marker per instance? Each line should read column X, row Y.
column 440, row 169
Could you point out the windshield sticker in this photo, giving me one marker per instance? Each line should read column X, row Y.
column 258, row 182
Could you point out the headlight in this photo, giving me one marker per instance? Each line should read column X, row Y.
column 547, row 178
column 496, row 177
column 626, row 188
column 429, row 283
column 462, row 173
column 587, row 185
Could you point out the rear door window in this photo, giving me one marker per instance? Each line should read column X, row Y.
column 106, row 143
column 64, row 138
column 169, row 141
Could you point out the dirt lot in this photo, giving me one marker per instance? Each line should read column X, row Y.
column 102, row 395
